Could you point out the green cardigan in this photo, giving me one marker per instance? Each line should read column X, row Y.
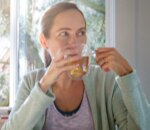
column 114, row 101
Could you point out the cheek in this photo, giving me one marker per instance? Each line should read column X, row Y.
column 83, row 39
column 54, row 47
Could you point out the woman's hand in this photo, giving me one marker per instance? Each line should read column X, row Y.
column 110, row 59
column 59, row 65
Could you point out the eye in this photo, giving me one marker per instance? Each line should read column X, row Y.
column 81, row 33
column 63, row 34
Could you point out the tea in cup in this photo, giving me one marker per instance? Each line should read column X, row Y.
column 81, row 68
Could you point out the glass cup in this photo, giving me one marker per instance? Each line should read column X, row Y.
column 82, row 65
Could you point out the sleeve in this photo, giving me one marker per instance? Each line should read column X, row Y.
column 130, row 107
column 29, row 107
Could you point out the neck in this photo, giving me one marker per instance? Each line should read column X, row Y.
column 65, row 82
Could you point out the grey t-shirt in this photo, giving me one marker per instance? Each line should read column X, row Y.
column 81, row 120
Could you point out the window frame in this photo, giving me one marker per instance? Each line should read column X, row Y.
column 13, row 51
column 110, row 23
column 13, row 57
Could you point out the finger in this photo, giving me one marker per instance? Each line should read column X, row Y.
column 100, row 61
column 102, row 56
column 67, row 68
column 56, row 72
column 106, row 60
column 104, row 49
column 112, row 65
column 105, row 52
column 67, row 61
column 106, row 67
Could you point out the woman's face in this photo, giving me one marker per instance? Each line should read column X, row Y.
column 68, row 28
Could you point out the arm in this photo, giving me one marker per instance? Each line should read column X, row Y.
column 29, row 107
column 32, row 101
column 129, row 104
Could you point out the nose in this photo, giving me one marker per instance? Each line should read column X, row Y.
column 74, row 40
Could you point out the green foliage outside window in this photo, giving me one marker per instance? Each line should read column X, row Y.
column 4, row 65
column 4, row 18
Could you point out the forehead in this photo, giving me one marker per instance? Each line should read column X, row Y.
column 69, row 19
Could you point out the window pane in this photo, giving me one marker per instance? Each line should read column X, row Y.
column 4, row 51
column 30, row 52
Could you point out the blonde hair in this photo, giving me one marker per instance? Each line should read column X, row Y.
column 47, row 20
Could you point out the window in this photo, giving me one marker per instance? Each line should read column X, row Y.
column 4, row 51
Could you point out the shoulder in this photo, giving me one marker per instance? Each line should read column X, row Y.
column 37, row 73
column 31, row 78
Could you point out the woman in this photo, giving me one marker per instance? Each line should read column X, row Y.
column 48, row 99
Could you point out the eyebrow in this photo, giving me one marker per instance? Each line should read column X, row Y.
column 82, row 28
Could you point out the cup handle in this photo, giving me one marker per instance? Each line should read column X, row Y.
column 93, row 59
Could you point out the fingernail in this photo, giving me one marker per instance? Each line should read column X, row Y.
column 107, row 70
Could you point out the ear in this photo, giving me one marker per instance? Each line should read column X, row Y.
column 42, row 40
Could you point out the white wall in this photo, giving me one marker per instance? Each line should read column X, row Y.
column 143, row 43
column 133, row 36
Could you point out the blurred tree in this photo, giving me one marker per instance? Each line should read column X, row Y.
column 4, row 89
column 97, row 6
column 4, row 34
column 4, row 18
